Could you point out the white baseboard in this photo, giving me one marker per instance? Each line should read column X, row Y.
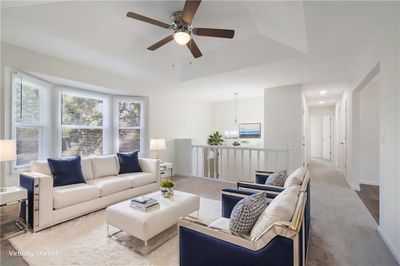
column 353, row 187
column 389, row 245
column 368, row 182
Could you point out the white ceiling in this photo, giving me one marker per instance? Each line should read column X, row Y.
column 275, row 43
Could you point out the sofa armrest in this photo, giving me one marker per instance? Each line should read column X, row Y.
column 230, row 197
column 151, row 166
column 262, row 187
column 40, row 196
column 201, row 245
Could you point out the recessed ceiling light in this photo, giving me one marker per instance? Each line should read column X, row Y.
column 321, row 102
column 323, row 92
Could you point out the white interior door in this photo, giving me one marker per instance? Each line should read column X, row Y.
column 316, row 135
column 326, row 137
column 343, row 138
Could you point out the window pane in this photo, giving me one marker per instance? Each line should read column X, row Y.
column 26, row 104
column 82, row 142
column 27, row 145
column 129, row 140
column 81, row 111
column 129, row 114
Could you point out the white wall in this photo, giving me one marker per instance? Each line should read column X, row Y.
column 283, row 121
column 383, row 50
column 171, row 115
column 369, row 134
column 316, row 135
column 249, row 110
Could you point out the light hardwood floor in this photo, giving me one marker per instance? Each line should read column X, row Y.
column 370, row 196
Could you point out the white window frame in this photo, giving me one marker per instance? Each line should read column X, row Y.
column 116, row 127
column 42, row 126
column 84, row 94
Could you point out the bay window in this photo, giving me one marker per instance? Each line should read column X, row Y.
column 83, row 123
column 28, row 102
column 128, row 126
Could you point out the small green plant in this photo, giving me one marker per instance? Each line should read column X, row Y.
column 215, row 139
column 166, row 183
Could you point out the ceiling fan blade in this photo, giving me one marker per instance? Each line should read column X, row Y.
column 189, row 10
column 194, row 49
column 161, row 43
column 207, row 32
column 148, row 20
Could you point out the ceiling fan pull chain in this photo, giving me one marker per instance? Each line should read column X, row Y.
column 173, row 54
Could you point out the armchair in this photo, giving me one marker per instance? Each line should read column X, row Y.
column 282, row 243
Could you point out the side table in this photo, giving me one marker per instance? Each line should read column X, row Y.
column 16, row 195
column 166, row 170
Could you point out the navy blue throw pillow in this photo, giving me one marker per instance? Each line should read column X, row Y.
column 129, row 162
column 66, row 171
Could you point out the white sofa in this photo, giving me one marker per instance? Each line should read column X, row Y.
column 50, row 205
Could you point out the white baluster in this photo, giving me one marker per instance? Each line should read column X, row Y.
column 197, row 161
column 215, row 163
column 258, row 159
column 234, row 164
column 250, row 164
column 242, row 155
column 221, row 151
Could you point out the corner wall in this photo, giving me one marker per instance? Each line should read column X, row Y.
column 283, row 120
column 382, row 52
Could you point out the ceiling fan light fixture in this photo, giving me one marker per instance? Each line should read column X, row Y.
column 181, row 37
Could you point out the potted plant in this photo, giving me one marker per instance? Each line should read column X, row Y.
column 167, row 188
column 215, row 139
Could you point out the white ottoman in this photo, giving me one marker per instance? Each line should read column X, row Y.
column 146, row 224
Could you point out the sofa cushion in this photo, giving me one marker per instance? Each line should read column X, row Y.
column 111, row 184
column 277, row 179
column 246, row 212
column 105, row 166
column 295, row 178
column 69, row 195
column 41, row 167
column 129, row 162
column 140, row 179
column 86, row 164
column 281, row 208
column 222, row 224
column 66, row 171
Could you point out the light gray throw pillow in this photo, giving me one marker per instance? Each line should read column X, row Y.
column 277, row 179
column 246, row 212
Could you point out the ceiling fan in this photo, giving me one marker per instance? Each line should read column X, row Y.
column 181, row 24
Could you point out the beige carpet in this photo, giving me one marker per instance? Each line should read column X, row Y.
column 83, row 241
column 343, row 232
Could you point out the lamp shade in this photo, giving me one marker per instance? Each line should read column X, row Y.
column 8, row 150
column 157, row 144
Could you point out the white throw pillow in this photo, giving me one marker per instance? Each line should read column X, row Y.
column 87, row 171
column 41, row 167
column 281, row 208
column 295, row 178
column 105, row 165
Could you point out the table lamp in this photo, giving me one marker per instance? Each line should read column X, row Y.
column 157, row 145
column 8, row 152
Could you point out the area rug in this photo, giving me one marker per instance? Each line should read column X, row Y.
column 84, row 241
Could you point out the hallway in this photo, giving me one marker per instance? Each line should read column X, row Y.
column 343, row 232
